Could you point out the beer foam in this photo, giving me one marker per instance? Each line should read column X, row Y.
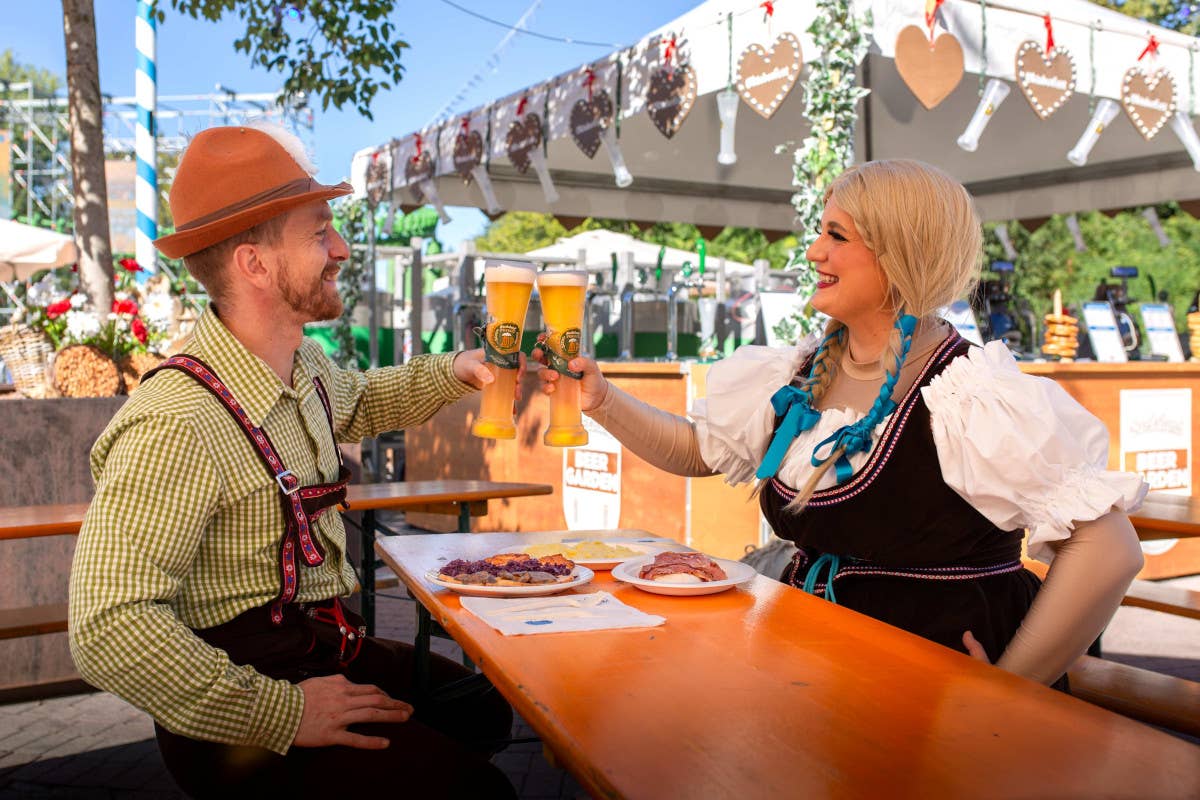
column 563, row 277
column 508, row 272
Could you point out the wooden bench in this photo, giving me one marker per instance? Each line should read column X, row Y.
column 1141, row 694
column 1150, row 697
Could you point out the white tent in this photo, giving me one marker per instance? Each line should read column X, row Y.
column 599, row 245
column 25, row 249
column 1019, row 170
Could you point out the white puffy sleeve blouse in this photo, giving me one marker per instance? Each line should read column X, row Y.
column 1019, row 449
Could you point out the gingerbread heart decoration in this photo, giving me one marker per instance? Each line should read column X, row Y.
column 589, row 118
column 378, row 179
column 766, row 76
column 468, row 153
column 523, row 136
column 670, row 98
column 1149, row 100
column 1046, row 81
column 931, row 73
column 417, row 169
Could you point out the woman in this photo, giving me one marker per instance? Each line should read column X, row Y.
column 905, row 464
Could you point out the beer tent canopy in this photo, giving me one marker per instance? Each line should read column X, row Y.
column 1018, row 171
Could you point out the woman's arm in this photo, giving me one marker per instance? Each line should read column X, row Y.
column 665, row 440
column 1088, row 577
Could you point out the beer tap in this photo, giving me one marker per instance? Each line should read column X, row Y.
column 625, row 332
column 467, row 311
column 680, row 286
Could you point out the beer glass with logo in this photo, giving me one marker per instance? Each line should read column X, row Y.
column 508, row 286
column 563, row 294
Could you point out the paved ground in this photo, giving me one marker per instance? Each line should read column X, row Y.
column 96, row 746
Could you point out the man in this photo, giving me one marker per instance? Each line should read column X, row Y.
column 206, row 579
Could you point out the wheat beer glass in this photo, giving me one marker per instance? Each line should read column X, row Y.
column 508, row 287
column 563, row 294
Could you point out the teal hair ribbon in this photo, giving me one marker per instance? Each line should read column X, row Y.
column 795, row 406
column 857, row 438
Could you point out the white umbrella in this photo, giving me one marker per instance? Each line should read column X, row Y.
column 600, row 244
column 25, row 249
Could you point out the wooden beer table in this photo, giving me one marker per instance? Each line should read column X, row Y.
column 464, row 499
column 764, row 691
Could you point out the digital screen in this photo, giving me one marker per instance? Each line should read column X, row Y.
column 1102, row 331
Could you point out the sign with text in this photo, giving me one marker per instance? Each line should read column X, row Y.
column 1156, row 437
column 591, row 489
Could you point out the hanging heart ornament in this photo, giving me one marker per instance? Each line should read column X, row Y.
column 468, row 153
column 1046, row 81
column 670, row 98
column 378, row 178
column 931, row 73
column 417, row 169
column 589, row 118
column 764, row 77
column 1149, row 99
column 523, row 136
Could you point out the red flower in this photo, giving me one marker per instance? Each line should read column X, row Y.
column 139, row 330
column 130, row 265
column 124, row 307
column 56, row 310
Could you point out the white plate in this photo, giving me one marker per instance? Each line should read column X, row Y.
column 738, row 572
column 640, row 547
column 579, row 576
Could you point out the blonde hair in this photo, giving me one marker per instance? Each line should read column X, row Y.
column 922, row 227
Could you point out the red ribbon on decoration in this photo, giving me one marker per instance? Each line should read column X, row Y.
column 1049, row 34
column 931, row 9
column 417, row 155
column 1151, row 48
column 466, row 125
column 588, row 81
column 768, row 9
column 669, row 51
column 521, row 105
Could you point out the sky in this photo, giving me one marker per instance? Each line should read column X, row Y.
column 447, row 48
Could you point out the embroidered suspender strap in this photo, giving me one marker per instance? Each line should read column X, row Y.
column 806, row 577
column 293, row 496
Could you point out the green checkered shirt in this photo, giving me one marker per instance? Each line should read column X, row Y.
column 184, row 527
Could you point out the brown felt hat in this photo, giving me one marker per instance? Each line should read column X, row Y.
column 231, row 179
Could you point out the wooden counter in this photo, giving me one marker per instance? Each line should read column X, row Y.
column 1098, row 388
column 705, row 513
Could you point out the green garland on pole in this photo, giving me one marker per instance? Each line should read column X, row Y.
column 831, row 98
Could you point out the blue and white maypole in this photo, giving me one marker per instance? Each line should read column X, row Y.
column 145, row 141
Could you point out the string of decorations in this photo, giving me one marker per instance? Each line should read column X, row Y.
column 518, row 29
column 831, row 97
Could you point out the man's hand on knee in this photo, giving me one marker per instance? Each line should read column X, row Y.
column 333, row 703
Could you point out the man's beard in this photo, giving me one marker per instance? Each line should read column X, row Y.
column 315, row 302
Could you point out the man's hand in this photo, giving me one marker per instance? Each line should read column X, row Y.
column 333, row 703
column 592, row 386
column 469, row 367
